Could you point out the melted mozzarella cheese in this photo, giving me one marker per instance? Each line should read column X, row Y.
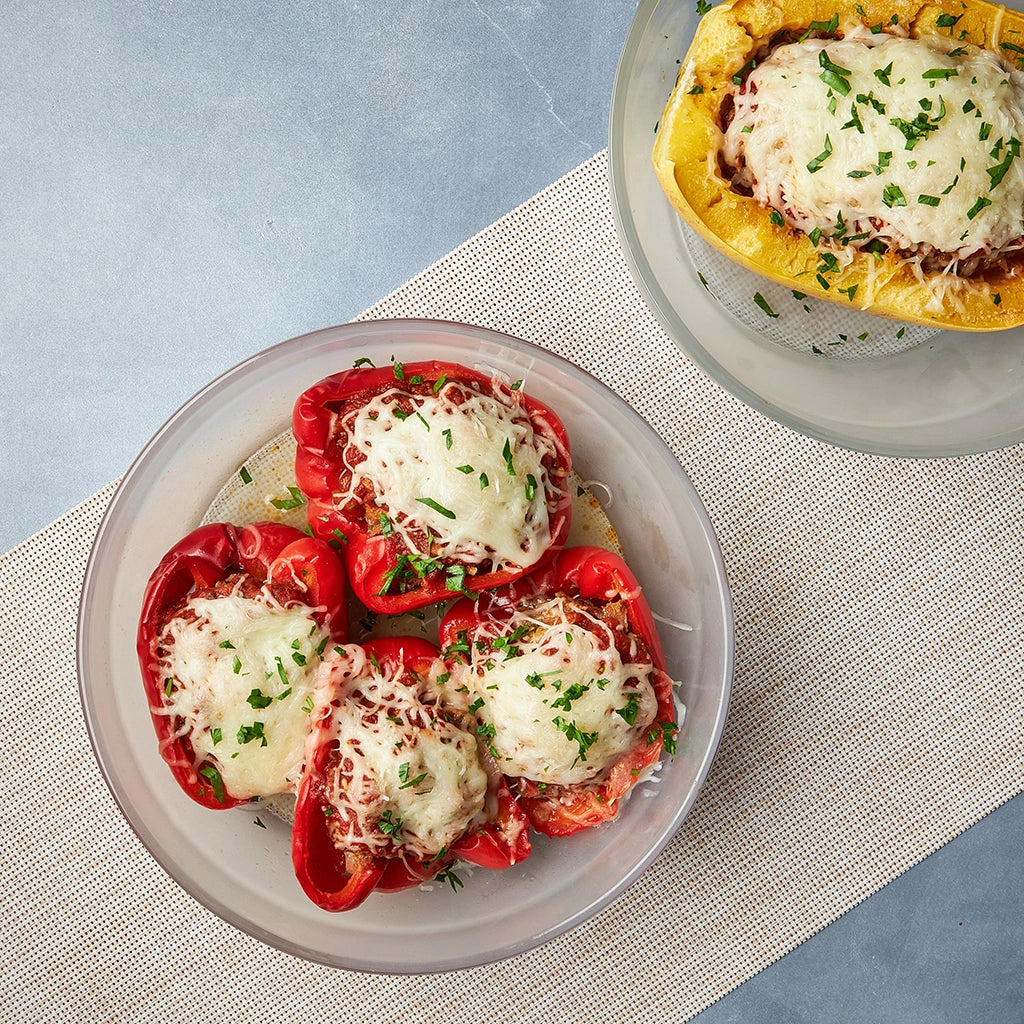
column 564, row 708
column 409, row 779
column 458, row 455
column 913, row 151
column 231, row 648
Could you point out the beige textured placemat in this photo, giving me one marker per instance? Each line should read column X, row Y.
column 877, row 709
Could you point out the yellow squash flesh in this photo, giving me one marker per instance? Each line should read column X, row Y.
column 689, row 137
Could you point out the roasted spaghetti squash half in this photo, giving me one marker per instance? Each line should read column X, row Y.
column 864, row 153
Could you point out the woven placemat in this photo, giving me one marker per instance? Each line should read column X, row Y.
column 876, row 711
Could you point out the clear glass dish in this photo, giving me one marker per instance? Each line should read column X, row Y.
column 243, row 872
column 838, row 375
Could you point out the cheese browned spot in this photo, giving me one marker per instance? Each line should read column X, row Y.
column 880, row 139
column 239, row 676
column 404, row 780
column 556, row 697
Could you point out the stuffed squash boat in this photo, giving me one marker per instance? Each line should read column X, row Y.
column 866, row 154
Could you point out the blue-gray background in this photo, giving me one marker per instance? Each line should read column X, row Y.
column 184, row 183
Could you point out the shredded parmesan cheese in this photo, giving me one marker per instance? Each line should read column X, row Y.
column 560, row 704
column 913, row 143
column 406, row 781
column 466, row 468
column 239, row 671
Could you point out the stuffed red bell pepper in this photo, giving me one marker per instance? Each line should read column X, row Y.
column 233, row 623
column 437, row 479
column 397, row 785
column 565, row 674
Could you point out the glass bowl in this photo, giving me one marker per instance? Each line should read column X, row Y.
column 243, row 872
column 841, row 376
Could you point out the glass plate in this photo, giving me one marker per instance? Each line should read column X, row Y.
column 838, row 375
column 243, row 872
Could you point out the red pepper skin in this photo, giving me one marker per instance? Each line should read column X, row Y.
column 269, row 552
column 589, row 572
column 338, row 880
column 369, row 559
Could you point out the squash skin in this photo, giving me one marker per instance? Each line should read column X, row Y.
column 689, row 139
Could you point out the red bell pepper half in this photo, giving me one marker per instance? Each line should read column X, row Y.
column 294, row 567
column 590, row 573
column 384, row 571
column 338, row 872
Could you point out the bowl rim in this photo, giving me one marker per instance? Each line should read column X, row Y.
column 204, row 895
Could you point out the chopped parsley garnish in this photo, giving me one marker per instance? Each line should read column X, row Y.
column 405, row 780
column 448, row 875
column 506, row 454
column 892, row 195
column 584, row 740
column 833, row 75
column 979, row 204
column 437, row 507
column 216, row 782
column 570, row 695
column 248, row 733
column 819, row 160
column 257, row 699
column 389, row 824
column 285, row 504
column 628, row 713
column 762, row 303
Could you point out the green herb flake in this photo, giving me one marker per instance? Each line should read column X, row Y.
column 245, row 475
column 389, row 824
column 285, row 504
column 257, row 700
column 819, row 160
column 762, row 303
column 448, row 875
column 437, row 507
column 216, row 782
column 506, row 454
column 892, row 196
column 249, row 733
column 628, row 713
column 927, row 200
column 979, row 204
column 405, row 780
